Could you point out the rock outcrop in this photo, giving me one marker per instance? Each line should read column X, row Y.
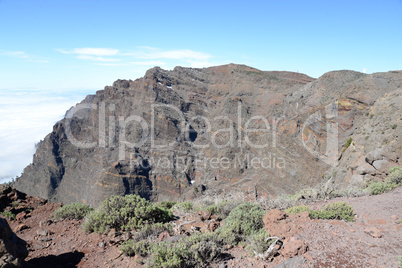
column 173, row 134
column 13, row 250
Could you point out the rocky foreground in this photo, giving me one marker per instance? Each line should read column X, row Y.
column 373, row 239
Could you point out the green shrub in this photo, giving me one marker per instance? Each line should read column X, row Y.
column 8, row 214
column 72, row 211
column 169, row 255
column 257, row 243
column 297, row 209
column 377, row 187
column 395, row 176
column 335, row 211
column 186, row 206
column 223, row 208
column 394, row 126
column 131, row 247
column 198, row 250
column 124, row 213
column 166, row 204
column 393, row 180
column 151, row 232
column 244, row 220
column 347, row 144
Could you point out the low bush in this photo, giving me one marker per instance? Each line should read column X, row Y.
column 378, row 187
column 166, row 204
column 151, row 232
column 223, row 208
column 184, row 207
column 198, row 250
column 72, row 211
column 393, row 180
column 132, row 247
column 395, row 176
column 257, row 243
column 335, row 211
column 297, row 209
column 124, row 213
column 243, row 221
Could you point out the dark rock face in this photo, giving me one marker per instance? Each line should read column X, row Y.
column 173, row 134
column 13, row 250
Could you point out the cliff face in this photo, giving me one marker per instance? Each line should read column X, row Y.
column 173, row 134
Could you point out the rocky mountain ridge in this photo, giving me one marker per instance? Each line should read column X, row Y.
column 173, row 135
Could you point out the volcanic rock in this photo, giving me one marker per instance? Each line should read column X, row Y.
column 229, row 128
column 13, row 250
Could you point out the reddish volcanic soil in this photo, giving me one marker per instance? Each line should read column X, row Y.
column 373, row 240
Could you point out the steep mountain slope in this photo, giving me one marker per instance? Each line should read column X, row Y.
column 173, row 134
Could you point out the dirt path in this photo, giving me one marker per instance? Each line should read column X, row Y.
column 345, row 244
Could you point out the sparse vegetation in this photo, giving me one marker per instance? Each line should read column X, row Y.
column 347, row 144
column 166, row 204
column 378, row 187
column 297, row 209
column 151, row 232
column 8, row 214
column 243, row 221
column 394, row 126
column 186, row 206
column 222, row 208
column 395, row 175
column 198, row 250
column 15, row 204
column 335, row 211
column 132, row 247
column 393, row 180
column 72, row 211
column 257, row 243
column 124, row 213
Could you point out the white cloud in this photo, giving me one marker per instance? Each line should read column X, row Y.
column 93, row 58
column 111, row 64
column 171, row 54
column 94, row 51
column 17, row 54
column 149, row 63
column 22, row 55
column 26, row 117
column 143, row 56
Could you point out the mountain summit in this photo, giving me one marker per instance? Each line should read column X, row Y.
column 227, row 129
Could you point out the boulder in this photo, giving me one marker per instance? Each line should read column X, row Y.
column 375, row 155
column 293, row 246
column 274, row 216
column 163, row 236
column 13, row 250
column 382, row 165
column 373, row 231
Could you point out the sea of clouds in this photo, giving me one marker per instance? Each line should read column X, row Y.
column 26, row 117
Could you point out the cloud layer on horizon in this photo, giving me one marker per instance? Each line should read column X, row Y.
column 27, row 117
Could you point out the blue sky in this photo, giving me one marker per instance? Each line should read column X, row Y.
column 53, row 52
column 41, row 42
